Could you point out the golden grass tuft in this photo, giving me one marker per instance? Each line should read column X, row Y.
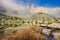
column 25, row 34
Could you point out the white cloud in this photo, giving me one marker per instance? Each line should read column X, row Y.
column 11, row 6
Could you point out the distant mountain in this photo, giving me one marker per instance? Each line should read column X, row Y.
column 13, row 21
column 44, row 17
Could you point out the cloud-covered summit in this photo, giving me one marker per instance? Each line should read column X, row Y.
column 23, row 10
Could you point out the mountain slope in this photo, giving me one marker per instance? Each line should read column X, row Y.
column 9, row 21
column 44, row 18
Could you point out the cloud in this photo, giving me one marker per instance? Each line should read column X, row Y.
column 10, row 4
column 23, row 10
column 15, row 9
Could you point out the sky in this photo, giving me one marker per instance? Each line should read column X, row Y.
column 47, row 3
column 21, row 8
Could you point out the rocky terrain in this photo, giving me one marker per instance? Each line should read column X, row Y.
column 9, row 25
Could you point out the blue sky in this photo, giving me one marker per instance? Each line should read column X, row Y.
column 46, row 3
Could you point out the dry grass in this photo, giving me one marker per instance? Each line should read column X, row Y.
column 24, row 34
column 27, row 34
